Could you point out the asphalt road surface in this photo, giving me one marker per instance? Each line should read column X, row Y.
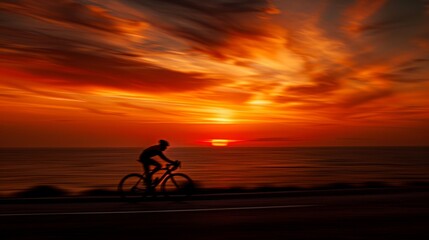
column 368, row 216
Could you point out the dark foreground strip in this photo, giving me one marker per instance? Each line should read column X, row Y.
column 156, row 211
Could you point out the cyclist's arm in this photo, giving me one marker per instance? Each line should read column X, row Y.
column 163, row 157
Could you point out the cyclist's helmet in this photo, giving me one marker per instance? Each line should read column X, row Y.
column 163, row 143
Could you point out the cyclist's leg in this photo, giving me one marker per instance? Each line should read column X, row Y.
column 157, row 165
column 146, row 168
column 146, row 165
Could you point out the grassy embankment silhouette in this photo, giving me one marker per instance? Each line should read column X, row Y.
column 41, row 191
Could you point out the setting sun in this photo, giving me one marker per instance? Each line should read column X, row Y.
column 219, row 142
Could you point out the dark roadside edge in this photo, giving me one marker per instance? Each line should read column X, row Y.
column 221, row 195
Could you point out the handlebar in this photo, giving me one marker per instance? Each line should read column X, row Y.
column 175, row 165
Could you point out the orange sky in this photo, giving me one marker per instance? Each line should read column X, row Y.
column 267, row 73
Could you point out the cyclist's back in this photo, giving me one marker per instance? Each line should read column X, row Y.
column 151, row 152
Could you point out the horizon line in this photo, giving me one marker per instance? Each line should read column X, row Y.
column 315, row 146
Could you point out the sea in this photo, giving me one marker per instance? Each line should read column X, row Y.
column 83, row 169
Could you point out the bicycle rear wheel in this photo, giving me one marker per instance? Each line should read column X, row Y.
column 178, row 185
column 132, row 187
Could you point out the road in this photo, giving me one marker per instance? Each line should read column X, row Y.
column 374, row 216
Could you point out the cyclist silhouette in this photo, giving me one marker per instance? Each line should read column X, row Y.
column 146, row 158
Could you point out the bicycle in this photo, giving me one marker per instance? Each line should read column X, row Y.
column 133, row 186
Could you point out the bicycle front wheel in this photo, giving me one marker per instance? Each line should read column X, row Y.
column 178, row 185
column 132, row 187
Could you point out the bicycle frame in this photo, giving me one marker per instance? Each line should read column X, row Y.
column 167, row 171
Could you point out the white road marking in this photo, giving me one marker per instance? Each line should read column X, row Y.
column 156, row 211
